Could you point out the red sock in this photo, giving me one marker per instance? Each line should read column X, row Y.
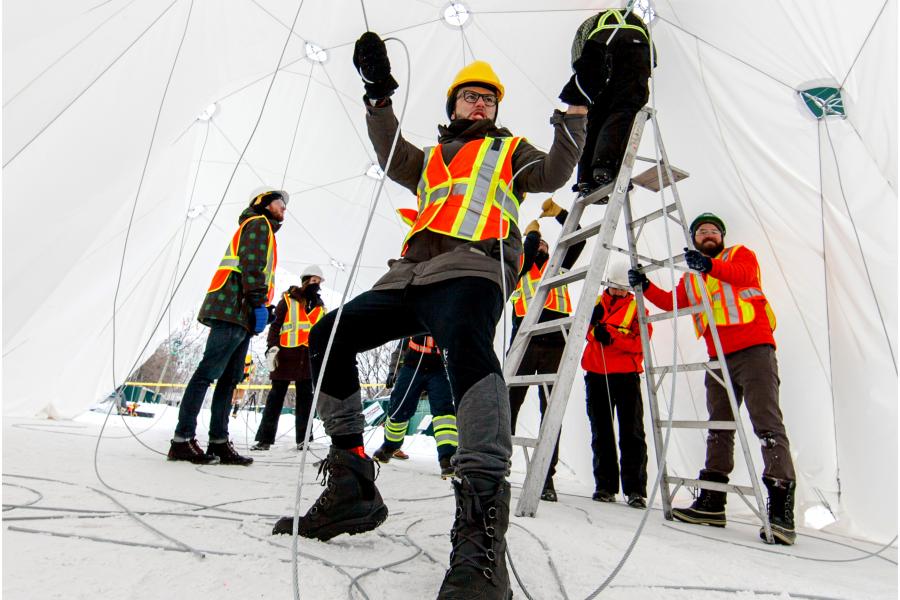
column 359, row 451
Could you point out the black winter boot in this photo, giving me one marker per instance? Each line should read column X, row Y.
column 781, row 511
column 350, row 503
column 478, row 559
column 227, row 454
column 708, row 508
column 548, row 494
column 191, row 452
column 447, row 470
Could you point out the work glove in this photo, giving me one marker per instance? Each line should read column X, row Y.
column 697, row 261
column 591, row 74
column 272, row 358
column 636, row 278
column 601, row 334
column 371, row 61
column 260, row 319
column 550, row 208
column 271, row 310
column 533, row 226
column 389, row 382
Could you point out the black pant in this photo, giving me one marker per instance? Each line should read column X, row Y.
column 611, row 115
column 268, row 426
column 621, row 395
column 539, row 358
column 461, row 314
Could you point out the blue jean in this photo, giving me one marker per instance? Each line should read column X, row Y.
column 223, row 360
column 405, row 400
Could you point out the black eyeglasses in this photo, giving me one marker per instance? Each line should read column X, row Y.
column 472, row 98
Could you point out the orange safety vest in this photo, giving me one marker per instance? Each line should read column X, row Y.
column 472, row 197
column 557, row 298
column 297, row 323
column 730, row 304
column 623, row 317
column 427, row 348
column 231, row 261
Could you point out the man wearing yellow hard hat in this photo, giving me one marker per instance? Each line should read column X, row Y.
column 461, row 254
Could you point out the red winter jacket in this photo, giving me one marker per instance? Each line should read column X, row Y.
column 623, row 354
column 741, row 271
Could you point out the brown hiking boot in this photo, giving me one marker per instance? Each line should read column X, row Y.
column 191, row 452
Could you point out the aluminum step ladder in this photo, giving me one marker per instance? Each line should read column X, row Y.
column 574, row 327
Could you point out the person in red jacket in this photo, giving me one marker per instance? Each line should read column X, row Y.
column 745, row 322
column 613, row 360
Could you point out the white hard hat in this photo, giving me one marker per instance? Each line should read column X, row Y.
column 312, row 271
column 268, row 189
column 617, row 270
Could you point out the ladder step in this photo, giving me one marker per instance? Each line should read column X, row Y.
column 564, row 278
column 726, row 425
column 669, row 314
column 649, row 179
column 711, row 485
column 666, row 369
column 640, row 222
column 520, row 380
column 548, row 326
column 597, row 195
column 524, row 441
column 580, row 235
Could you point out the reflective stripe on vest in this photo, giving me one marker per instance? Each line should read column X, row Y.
column 231, row 261
column 730, row 305
column 557, row 298
column 622, row 318
column 297, row 323
column 620, row 24
column 471, row 198
column 427, row 348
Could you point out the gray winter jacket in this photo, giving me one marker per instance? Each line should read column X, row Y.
column 432, row 257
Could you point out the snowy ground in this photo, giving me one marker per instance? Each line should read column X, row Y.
column 67, row 535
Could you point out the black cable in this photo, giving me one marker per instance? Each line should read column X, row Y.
column 863, row 45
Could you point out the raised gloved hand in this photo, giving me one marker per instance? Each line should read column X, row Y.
column 636, row 278
column 601, row 334
column 591, row 75
column 533, row 226
column 260, row 319
column 389, row 382
column 550, row 208
column 371, row 61
column 697, row 261
column 272, row 358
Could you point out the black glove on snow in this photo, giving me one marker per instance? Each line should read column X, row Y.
column 371, row 61
column 636, row 278
column 697, row 261
column 601, row 334
column 591, row 75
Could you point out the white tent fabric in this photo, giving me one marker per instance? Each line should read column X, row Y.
column 87, row 102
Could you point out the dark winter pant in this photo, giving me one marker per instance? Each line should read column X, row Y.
column 539, row 358
column 223, row 360
column 268, row 426
column 620, row 394
column 754, row 375
column 612, row 114
column 461, row 314
column 405, row 399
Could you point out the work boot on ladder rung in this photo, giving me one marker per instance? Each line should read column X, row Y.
column 708, row 508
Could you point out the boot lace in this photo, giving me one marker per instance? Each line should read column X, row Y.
column 471, row 526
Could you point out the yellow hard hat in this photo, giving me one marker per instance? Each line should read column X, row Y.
column 477, row 72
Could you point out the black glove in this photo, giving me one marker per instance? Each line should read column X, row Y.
column 697, row 261
column 271, row 317
column 371, row 61
column 389, row 382
column 636, row 278
column 591, row 75
column 601, row 334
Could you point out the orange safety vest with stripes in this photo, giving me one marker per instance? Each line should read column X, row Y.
column 472, row 197
column 557, row 298
column 231, row 261
column 428, row 347
column 730, row 304
column 297, row 323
